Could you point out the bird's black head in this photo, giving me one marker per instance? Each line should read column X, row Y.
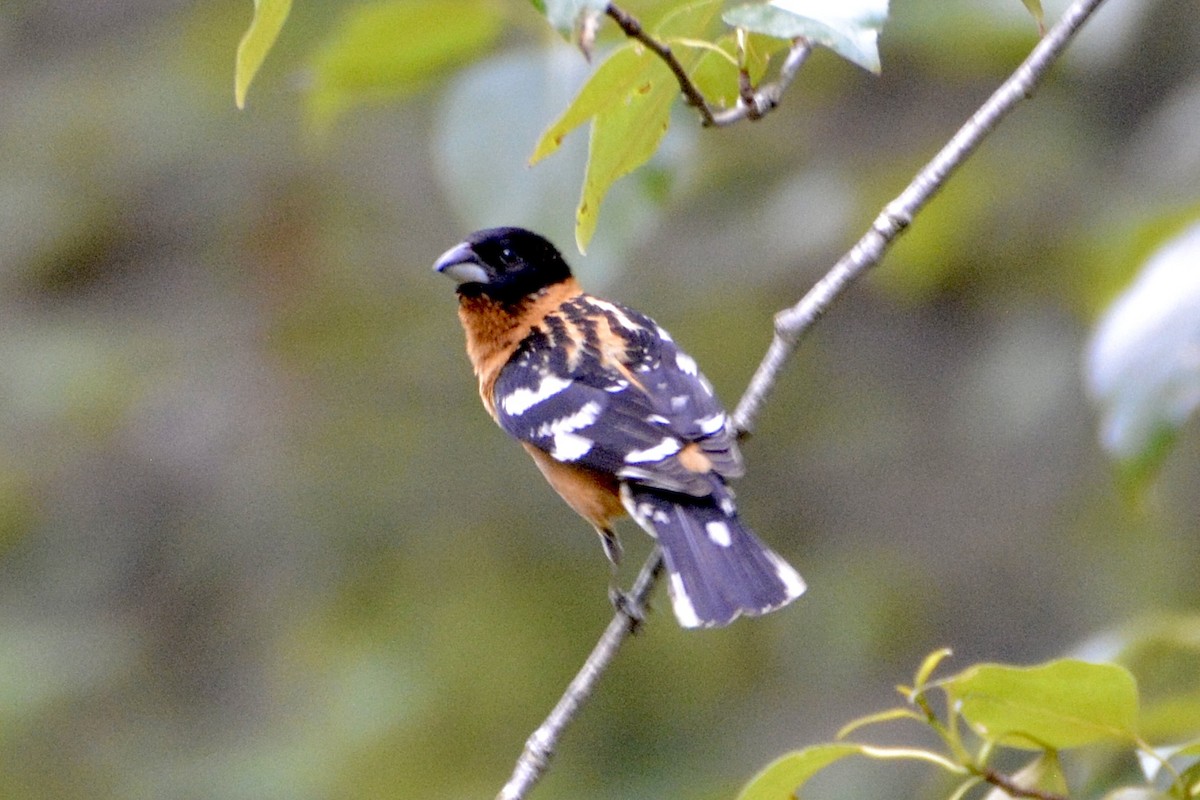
column 505, row 264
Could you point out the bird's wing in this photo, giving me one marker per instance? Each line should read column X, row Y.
column 602, row 386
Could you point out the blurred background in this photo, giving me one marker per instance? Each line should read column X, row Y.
column 259, row 540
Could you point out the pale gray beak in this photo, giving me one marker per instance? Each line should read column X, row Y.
column 462, row 264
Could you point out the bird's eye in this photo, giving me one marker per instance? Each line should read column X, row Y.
column 506, row 255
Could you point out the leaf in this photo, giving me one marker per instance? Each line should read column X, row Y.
column 482, row 128
column 716, row 73
column 628, row 101
column 850, row 28
column 1143, row 367
column 269, row 16
column 567, row 16
column 1043, row 773
column 623, row 138
column 931, row 662
column 1058, row 705
column 1035, row 8
column 876, row 718
column 783, row 777
column 610, row 85
column 386, row 50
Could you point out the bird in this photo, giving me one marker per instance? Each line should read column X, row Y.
column 618, row 419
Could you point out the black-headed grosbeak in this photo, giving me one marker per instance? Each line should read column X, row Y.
column 617, row 418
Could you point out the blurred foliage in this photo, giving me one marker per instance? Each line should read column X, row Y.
column 1143, row 362
column 258, row 540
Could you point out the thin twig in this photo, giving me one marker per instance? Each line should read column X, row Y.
column 761, row 101
column 792, row 323
column 634, row 30
column 1013, row 789
column 540, row 746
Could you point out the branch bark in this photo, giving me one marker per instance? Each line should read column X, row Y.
column 540, row 746
column 791, row 324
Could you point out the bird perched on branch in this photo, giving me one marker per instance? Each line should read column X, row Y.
column 617, row 418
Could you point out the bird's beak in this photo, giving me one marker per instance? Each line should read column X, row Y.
column 462, row 264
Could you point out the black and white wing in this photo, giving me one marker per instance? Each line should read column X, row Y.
column 603, row 386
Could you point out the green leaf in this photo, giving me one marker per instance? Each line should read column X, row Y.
column 615, row 80
column 385, row 50
column 628, row 101
column 783, row 777
column 874, row 719
column 849, row 28
column 716, row 73
column 269, row 16
column 1035, row 8
column 931, row 662
column 623, row 138
column 1141, row 366
column 566, row 16
column 1058, row 705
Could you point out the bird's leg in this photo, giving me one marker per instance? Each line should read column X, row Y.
column 620, row 599
column 612, row 546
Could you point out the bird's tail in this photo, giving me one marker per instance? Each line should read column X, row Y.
column 717, row 569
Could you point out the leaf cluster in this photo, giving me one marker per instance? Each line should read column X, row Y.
column 718, row 58
column 990, row 710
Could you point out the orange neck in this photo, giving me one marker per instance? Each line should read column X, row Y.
column 494, row 330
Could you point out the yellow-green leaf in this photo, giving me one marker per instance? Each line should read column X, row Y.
column 628, row 101
column 1058, row 705
column 782, row 778
column 383, row 51
column 610, row 85
column 1035, row 8
column 624, row 136
column 269, row 16
column 927, row 667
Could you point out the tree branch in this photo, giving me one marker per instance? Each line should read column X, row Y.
column 633, row 29
column 790, row 325
column 752, row 103
column 759, row 102
column 539, row 748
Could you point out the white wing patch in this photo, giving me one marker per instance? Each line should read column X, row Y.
column 569, row 445
column 719, row 533
column 520, row 400
column 669, row 446
column 618, row 313
column 686, row 363
column 710, row 425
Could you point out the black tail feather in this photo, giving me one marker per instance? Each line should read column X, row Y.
column 717, row 569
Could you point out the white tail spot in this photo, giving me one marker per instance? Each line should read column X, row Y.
column 685, row 612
